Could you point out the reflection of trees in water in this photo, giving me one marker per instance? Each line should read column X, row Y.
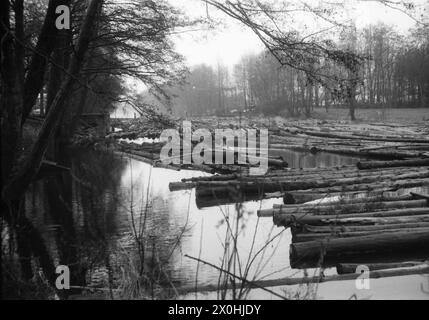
column 96, row 192
column 83, row 207
column 95, row 179
column 79, row 206
column 155, row 235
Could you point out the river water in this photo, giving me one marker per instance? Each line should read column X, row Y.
column 94, row 217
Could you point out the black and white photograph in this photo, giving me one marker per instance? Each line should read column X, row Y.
column 195, row 151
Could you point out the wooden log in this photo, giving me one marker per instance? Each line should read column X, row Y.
column 363, row 137
column 292, row 175
column 314, row 176
column 310, row 173
column 293, row 197
column 383, row 185
column 303, row 237
column 290, row 281
column 344, row 200
column 362, row 153
column 385, row 242
column 345, row 268
column 123, row 135
column 367, row 257
column 313, row 184
column 222, row 177
column 364, row 165
column 414, row 215
column 396, row 207
column 299, row 173
column 352, row 228
column 347, row 209
column 302, row 197
column 377, row 201
column 177, row 186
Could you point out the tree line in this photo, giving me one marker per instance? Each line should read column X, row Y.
column 393, row 72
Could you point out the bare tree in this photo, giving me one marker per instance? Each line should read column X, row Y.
column 307, row 52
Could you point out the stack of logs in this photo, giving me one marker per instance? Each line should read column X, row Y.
column 369, row 141
column 374, row 213
column 380, row 141
column 343, row 211
column 300, row 186
column 359, row 228
column 344, row 217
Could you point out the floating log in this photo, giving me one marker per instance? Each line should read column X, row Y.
column 344, row 268
column 382, row 185
column 314, row 176
column 364, row 165
column 123, row 135
column 343, row 209
column 363, row 137
column 221, row 195
column 352, row 228
column 346, row 199
column 384, row 242
column 315, row 184
column 222, row 177
column 176, row 186
column 381, row 217
column 367, row 153
column 290, row 281
column 301, row 237
column 302, row 197
column 310, row 173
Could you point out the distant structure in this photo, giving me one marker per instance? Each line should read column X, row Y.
column 124, row 111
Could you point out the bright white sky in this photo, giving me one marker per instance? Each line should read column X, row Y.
column 229, row 42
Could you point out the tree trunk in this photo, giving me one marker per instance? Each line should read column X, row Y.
column 16, row 187
column 45, row 45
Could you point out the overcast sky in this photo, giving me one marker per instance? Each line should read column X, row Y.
column 230, row 41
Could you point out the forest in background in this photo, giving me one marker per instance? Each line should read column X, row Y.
column 394, row 72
